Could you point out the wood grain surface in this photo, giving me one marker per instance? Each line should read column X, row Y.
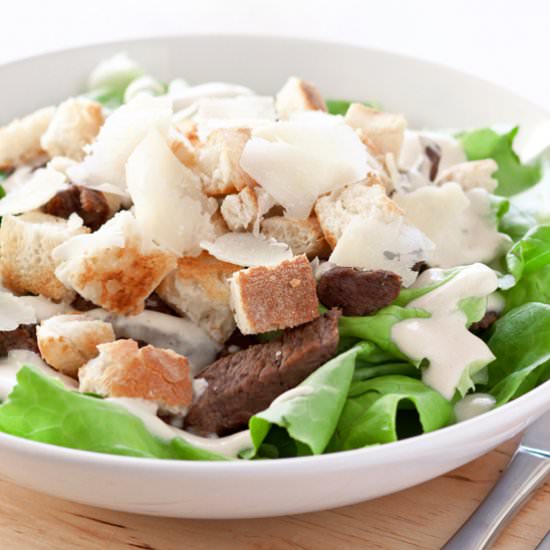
column 423, row 517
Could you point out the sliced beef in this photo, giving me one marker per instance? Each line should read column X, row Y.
column 486, row 322
column 90, row 205
column 358, row 292
column 23, row 337
column 81, row 304
column 246, row 382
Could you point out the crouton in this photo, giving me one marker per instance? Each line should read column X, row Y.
column 365, row 198
column 303, row 236
column 155, row 374
column 296, row 96
column 67, row 342
column 183, row 149
column 26, row 244
column 219, row 162
column 240, row 210
column 385, row 131
column 476, row 173
column 116, row 267
column 76, row 123
column 20, row 140
column 199, row 289
column 266, row 298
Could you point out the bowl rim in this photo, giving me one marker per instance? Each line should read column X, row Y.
column 338, row 459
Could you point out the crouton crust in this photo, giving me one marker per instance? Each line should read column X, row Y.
column 303, row 236
column 219, row 162
column 76, row 123
column 155, row 374
column 365, row 198
column 120, row 279
column 67, row 344
column 266, row 298
column 199, row 289
column 26, row 265
column 20, row 140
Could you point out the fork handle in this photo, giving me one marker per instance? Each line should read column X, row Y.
column 523, row 476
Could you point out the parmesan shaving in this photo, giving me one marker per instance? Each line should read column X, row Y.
column 168, row 202
column 369, row 243
column 295, row 161
column 32, row 193
column 14, row 312
column 247, row 250
column 118, row 137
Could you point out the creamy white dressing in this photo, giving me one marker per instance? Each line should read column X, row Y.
column 163, row 331
column 496, row 302
column 473, row 405
column 44, row 308
column 443, row 338
column 15, row 360
column 230, row 445
column 461, row 224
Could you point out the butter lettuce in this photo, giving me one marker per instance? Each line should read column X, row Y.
column 42, row 409
column 379, row 409
column 307, row 419
column 512, row 176
column 521, row 343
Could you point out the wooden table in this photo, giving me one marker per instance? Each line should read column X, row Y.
column 422, row 517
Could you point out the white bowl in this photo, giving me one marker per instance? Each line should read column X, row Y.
column 428, row 95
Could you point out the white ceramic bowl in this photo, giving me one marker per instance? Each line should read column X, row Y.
column 428, row 95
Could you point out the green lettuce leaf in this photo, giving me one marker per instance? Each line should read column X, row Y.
column 379, row 411
column 341, row 106
column 377, row 328
column 3, row 176
column 307, row 419
column 529, row 263
column 521, row 343
column 516, row 222
column 531, row 253
column 41, row 409
column 512, row 176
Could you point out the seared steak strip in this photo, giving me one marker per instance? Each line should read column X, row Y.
column 89, row 204
column 246, row 382
column 358, row 292
column 484, row 323
column 23, row 337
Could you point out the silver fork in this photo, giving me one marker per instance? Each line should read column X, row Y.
column 527, row 471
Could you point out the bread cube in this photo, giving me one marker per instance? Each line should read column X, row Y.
column 26, row 245
column 296, row 96
column 67, row 342
column 199, row 289
column 116, row 267
column 266, row 298
column 122, row 369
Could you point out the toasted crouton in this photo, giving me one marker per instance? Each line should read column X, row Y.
column 116, row 267
column 183, row 149
column 66, row 342
column 199, row 289
column 384, row 131
column 476, row 173
column 219, row 162
column 26, row 244
column 266, row 298
column 123, row 370
column 20, row 140
column 76, row 123
column 296, row 96
column 335, row 210
column 303, row 236
column 240, row 210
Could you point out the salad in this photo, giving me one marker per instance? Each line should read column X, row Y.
column 200, row 272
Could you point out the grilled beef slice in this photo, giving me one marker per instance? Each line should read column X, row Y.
column 23, row 337
column 246, row 382
column 89, row 204
column 358, row 292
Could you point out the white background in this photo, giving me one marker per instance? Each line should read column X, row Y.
column 506, row 41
